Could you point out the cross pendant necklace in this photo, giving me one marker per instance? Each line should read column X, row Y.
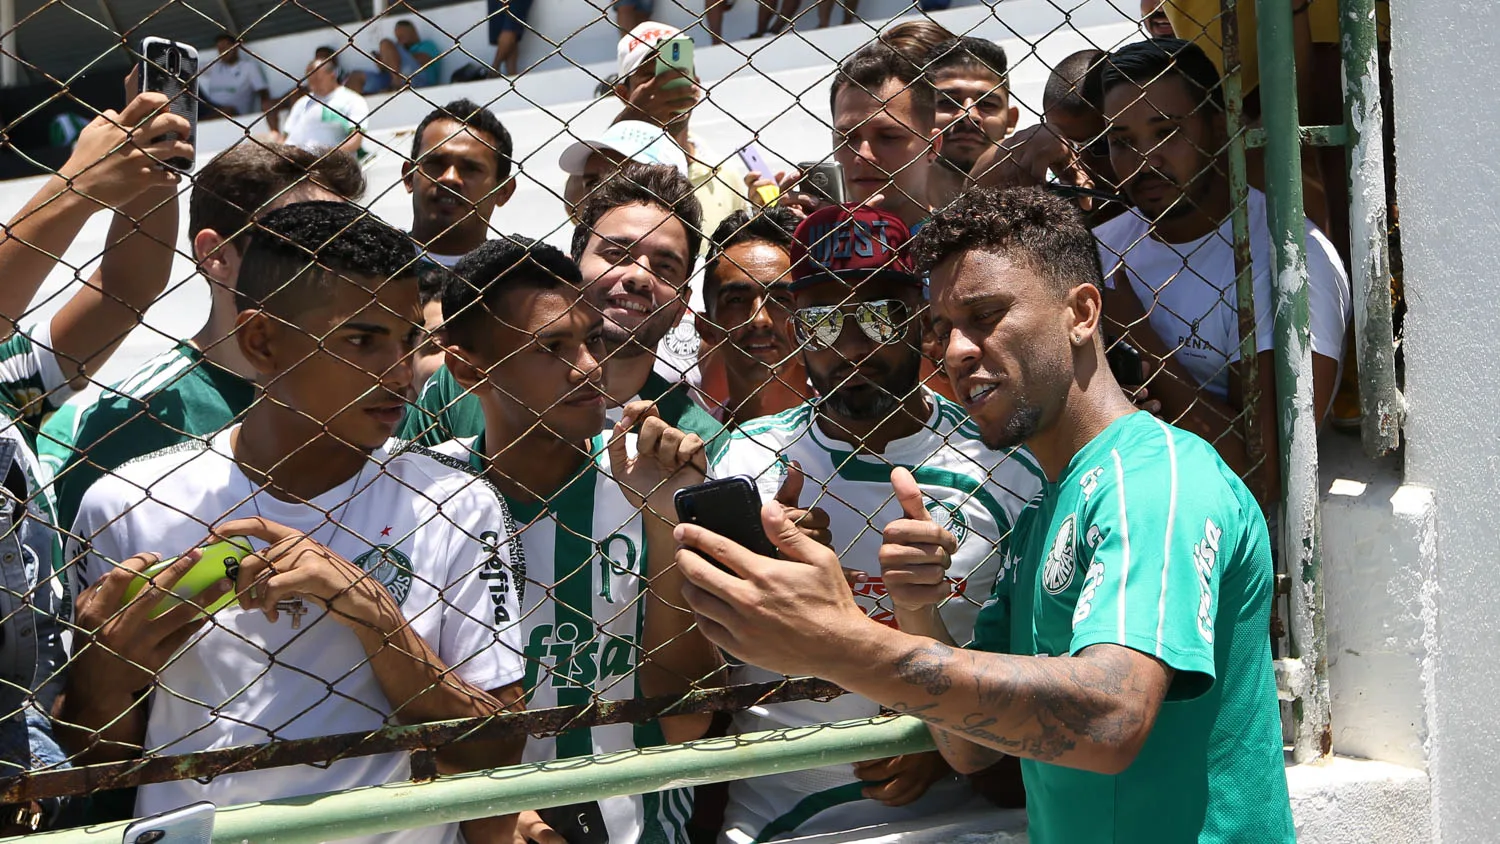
column 294, row 608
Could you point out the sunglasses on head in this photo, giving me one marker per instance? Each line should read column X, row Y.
column 819, row 326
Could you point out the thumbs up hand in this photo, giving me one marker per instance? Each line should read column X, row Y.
column 915, row 552
column 813, row 522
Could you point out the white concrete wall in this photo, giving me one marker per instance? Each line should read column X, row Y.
column 1448, row 174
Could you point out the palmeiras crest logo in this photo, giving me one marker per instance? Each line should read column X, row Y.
column 1058, row 571
column 390, row 567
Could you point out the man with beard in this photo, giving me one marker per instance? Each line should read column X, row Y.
column 459, row 173
column 1169, row 261
column 973, row 110
column 858, row 318
column 748, row 309
column 1123, row 654
column 636, row 241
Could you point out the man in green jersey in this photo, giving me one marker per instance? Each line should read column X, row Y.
column 199, row 387
column 636, row 241
column 594, row 515
column 1124, row 654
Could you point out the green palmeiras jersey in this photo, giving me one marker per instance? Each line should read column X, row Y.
column 177, row 396
column 445, row 412
column 975, row 492
column 1149, row 541
column 581, row 597
column 32, row 385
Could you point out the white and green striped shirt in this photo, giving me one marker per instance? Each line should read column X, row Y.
column 973, row 491
column 580, row 559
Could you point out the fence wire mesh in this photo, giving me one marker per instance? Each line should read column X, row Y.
column 427, row 537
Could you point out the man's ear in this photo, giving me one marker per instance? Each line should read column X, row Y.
column 255, row 334
column 504, row 192
column 408, row 175
column 1085, row 311
column 214, row 254
column 935, row 145
column 464, row 371
column 1015, row 116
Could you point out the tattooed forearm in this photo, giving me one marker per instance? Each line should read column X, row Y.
column 927, row 666
column 1092, row 710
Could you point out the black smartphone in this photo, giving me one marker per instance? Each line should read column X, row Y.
column 729, row 507
column 1124, row 362
column 579, row 823
column 823, row 179
column 171, row 68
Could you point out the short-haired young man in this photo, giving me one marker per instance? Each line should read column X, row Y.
column 883, row 134
column 594, row 510
column 1123, row 654
column 971, row 87
column 859, row 307
column 1169, row 260
column 635, row 243
column 381, row 589
column 747, row 301
column 199, row 387
column 459, row 173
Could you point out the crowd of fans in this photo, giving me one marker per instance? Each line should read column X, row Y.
column 454, row 451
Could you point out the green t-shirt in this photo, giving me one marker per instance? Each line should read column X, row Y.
column 1149, row 541
column 445, row 412
column 31, row 382
column 175, row 397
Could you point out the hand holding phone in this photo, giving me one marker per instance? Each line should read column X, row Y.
column 729, row 507
column 219, row 561
column 823, row 180
column 756, row 163
column 170, row 68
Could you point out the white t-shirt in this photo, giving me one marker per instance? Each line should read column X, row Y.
column 234, row 85
column 1193, row 286
column 319, row 124
column 581, row 558
column 431, row 535
column 975, row 492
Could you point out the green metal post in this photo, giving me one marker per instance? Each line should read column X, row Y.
column 1239, row 197
column 1296, row 422
column 1381, row 403
column 541, row 785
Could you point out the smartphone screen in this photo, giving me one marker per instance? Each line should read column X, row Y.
column 171, row 68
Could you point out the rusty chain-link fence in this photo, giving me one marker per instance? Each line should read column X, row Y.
column 490, row 230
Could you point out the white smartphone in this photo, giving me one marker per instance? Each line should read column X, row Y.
column 192, row 824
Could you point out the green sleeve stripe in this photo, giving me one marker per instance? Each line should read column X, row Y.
column 809, row 807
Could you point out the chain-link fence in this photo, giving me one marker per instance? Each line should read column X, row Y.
column 448, row 302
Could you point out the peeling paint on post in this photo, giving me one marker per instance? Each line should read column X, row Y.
column 1381, row 403
column 1296, row 422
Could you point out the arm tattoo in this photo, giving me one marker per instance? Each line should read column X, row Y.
column 1033, row 707
column 927, row 667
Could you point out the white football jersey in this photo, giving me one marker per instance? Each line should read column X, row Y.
column 580, row 561
column 431, row 535
column 974, row 492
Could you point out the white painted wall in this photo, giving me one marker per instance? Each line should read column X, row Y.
column 1448, row 174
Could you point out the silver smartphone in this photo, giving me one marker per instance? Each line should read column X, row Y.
column 171, row 68
column 192, row 824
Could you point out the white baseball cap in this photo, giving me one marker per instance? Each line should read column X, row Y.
column 634, row 139
column 639, row 44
